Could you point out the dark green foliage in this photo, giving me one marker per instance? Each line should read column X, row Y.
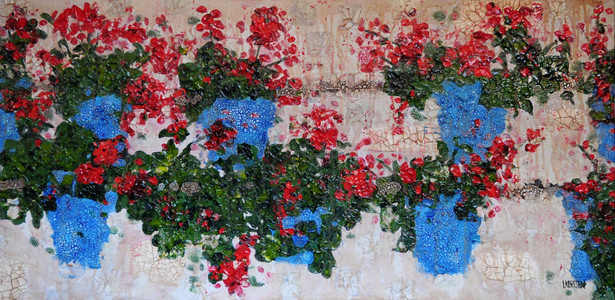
column 90, row 75
column 225, row 80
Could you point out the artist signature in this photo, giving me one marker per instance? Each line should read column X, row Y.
column 573, row 284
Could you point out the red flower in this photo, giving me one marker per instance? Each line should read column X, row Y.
column 418, row 162
column 531, row 147
column 564, row 35
column 211, row 27
column 135, row 185
column 86, row 174
column 236, row 276
column 407, row 174
column 359, row 182
column 475, row 57
column 582, row 188
column 418, row 189
column 455, row 170
column 321, row 128
column 219, row 135
column 533, row 134
column 290, row 193
column 265, row 26
column 105, row 154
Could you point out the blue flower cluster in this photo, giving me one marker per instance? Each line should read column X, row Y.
column 303, row 258
column 80, row 228
column 580, row 266
column 251, row 118
column 289, row 222
column 606, row 134
column 443, row 243
column 99, row 116
column 8, row 128
column 462, row 118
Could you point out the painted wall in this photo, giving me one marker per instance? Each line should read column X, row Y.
column 519, row 245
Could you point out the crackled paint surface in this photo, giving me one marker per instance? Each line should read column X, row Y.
column 318, row 150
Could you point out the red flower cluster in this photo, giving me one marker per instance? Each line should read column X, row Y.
column 106, row 152
column 266, row 27
column 210, row 25
column 86, row 174
column 407, row 48
column 564, row 35
column 24, row 106
column 320, row 127
column 148, row 97
column 407, row 173
column 514, row 18
column 290, row 193
column 455, row 170
column 359, row 182
column 135, row 186
column 502, row 153
column 219, row 135
column 601, row 191
column 78, row 25
column 21, row 34
column 474, row 56
column 164, row 56
column 274, row 44
column 534, row 138
column 270, row 46
column 234, row 273
column 598, row 48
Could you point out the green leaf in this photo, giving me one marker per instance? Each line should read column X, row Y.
column 527, row 105
column 417, row 115
column 597, row 115
column 193, row 20
column 253, row 282
column 47, row 17
column 567, row 95
column 442, row 148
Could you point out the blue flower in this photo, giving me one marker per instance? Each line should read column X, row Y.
column 302, row 258
column 605, row 131
column 251, row 118
column 606, row 134
column 580, row 265
column 99, row 116
column 80, row 229
column 289, row 222
column 8, row 128
column 443, row 243
column 23, row 83
column 461, row 117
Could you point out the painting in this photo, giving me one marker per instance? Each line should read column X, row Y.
column 327, row 149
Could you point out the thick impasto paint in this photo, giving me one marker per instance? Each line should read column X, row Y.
column 151, row 153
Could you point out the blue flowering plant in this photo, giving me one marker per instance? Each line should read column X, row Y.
column 512, row 65
column 593, row 224
column 465, row 123
column 260, row 73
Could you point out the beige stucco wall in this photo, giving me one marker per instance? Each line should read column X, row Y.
column 527, row 241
